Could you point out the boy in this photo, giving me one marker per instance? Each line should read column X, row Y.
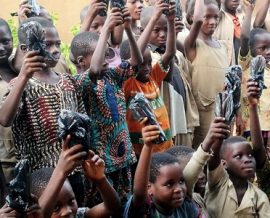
column 7, row 151
column 34, row 101
column 104, row 101
column 149, row 80
column 55, row 194
column 229, row 192
column 175, row 90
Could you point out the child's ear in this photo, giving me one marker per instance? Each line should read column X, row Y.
column 23, row 48
column 149, row 189
column 80, row 61
column 224, row 163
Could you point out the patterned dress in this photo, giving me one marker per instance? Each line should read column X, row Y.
column 105, row 104
column 35, row 128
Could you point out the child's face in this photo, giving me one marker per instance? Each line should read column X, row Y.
column 231, row 5
column 169, row 189
column 135, row 8
column 200, row 184
column 53, row 43
column 97, row 24
column 66, row 205
column 158, row 35
column 262, row 46
column 145, row 68
column 210, row 20
column 6, row 44
column 239, row 160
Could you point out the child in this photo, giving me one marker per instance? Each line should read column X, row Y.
column 34, row 101
column 55, row 194
column 175, row 89
column 149, row 80
column 104, row 100
column 135, row 8
column 7, row 151
column 229, row 192
column 209, row 61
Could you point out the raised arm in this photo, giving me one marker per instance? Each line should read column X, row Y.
column 190, row 41
column 8, row 109
column 136, row 55
column 98, row 58
column 142, row 173
column 245, row 30
column 95, row 6
column 262, row 9
column 255, row 128
column 143, row 40
column 94, row 168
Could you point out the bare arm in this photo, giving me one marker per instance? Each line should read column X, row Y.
column 245, row 30
column 32, row 63
column 117, row 35
column 262, row 11
column 255, row 128
column 190, row 41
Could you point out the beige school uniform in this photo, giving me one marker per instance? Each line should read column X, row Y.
column 221, row 200
column 207, row 79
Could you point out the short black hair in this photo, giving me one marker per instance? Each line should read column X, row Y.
column 45, row 23
column 253, row 37
column 40, row 179
column 159, row 160
column 229, row 141
column 4, row 23
column 180, row 151
column 83, row 44
column 125, row 50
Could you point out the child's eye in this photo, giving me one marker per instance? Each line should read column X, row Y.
column 237, row 156
column 182, row 182
column 250, row 155
column 168, row 185
column 56, row 208
column 71, row 202
column 58, row 44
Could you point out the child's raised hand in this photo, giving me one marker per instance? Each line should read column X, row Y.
column 94, row 167
column 171, row 14
column 218, row 130
column 179, row 26
column 114, row 19
column 95, row 6
column 252, row 92
column 248, row 6
column 32, row 63
column 149, row 133
column 160, row 7
column 24, row 10
column 70, row 158
column 126, row 17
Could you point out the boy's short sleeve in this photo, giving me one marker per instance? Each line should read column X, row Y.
column 159, row 72
column 216, row 177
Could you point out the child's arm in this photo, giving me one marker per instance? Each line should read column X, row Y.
column 141, row 179
column 117, row 35
column 32, row 63
column 98, row 58
column 94, row 169
column 190, row 41
column 8, row 212
column 245, row 30
column 263, row 7
column 68, row 160
column 135, row 53
column 143, row 40
column 255, row 128
column 94, row 7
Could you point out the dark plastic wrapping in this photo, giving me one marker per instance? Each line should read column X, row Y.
column 228, row 101
column 77, row 125
column 19, row 188
column 178, row 10
column 103, row 13
column 140, row 108
column 35, row 38
column 118, row 4
column 166, row 12
column 35, row 10
column 257, row 71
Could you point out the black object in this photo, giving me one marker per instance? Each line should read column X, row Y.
column 166, row 12
column 35, row 10
column 178, row 10
column 77, row 125
column 35, row 39
column 228, row 101
column 257, row 71
column 118, row 4
column 140, row 108
column 3, row 186
column 19, row 197
column 103, row 13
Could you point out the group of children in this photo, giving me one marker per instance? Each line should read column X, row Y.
column 200, row 170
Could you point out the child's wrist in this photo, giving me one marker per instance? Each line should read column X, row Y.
column 99, row 180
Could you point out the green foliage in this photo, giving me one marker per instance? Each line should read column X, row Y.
column 75, row 29
column 13, row 25
column 65, row 50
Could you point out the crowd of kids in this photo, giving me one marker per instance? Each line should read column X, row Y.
column 176, row 53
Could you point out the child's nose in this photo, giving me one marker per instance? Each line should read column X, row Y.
column 66, row 211
column 139, row 4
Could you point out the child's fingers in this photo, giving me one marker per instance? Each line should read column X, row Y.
column 143, row 121
column 94, row 158
column 75, row 149
column 30, row 54
column 151, row 138
column 100, row 162
column 219, row 119
column 66, row 143
column 79, row 156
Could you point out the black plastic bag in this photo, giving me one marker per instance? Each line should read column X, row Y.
column 35, row 10
column 77, row 125
column 103, row 13
column 35, row 39
column 228, row 101
column 178, row 10
column 140, row 108
column 19, row 197
column 118, row 4
column 257, row 71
